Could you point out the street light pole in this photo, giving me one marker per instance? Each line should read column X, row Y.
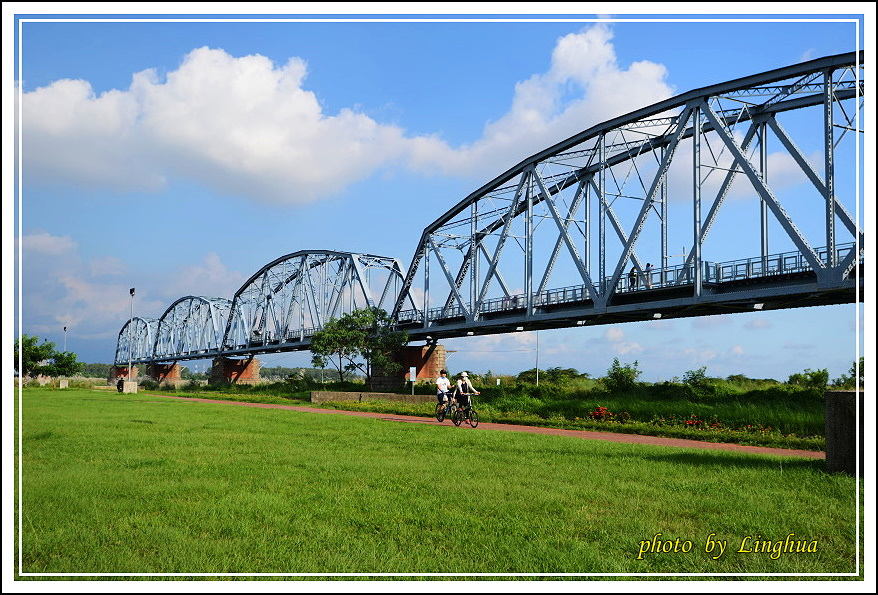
column 65, row 339
column 130, row 324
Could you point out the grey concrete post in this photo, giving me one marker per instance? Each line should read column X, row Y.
column 843, row 432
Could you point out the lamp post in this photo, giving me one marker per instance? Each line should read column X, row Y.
column 65, row 339
column 130, row 324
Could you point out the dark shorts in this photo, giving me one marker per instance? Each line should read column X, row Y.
column 443, row 397
column 463, row 400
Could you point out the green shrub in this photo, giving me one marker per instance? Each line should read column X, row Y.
column 149, row 385
column 812, row 379
column 620, row 378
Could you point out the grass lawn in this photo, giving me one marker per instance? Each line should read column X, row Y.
column 135, row 484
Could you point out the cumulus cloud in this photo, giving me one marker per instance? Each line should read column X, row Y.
column 584, row 86
column 616, row 338
column 44, row 244
column 209, row 278
column 245, row 126
column 61, row 288
column 241, row 126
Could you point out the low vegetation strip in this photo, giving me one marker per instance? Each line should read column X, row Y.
column 748, row 431
column 132, row 484
column 738, row 410
column 588, row 434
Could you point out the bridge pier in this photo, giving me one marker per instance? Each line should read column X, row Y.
column 122, row 372
column 165, row 373
column 234, row 371
column 426, row 359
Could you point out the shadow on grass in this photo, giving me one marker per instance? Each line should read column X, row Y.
column 748, row 461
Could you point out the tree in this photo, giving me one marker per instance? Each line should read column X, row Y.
column 362, row 340
column 621, row 377
column 555, row 375
column 41, row 358
column 853, row 378
column 97, row 370
column 813, row 379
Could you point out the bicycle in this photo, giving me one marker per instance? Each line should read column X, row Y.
column 446, row 409
column 467, row 413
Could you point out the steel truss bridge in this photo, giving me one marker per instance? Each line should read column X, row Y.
column 761, row 177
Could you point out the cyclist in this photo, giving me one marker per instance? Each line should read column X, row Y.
column 443, row 386
column 463, row 391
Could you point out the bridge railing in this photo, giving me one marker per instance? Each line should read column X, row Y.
column 658, row 278
column 775, row 264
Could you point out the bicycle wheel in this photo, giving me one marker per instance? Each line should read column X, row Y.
column 473, row 418
column 457, row 417
column 440, row 412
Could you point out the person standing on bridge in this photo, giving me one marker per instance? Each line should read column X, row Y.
column 632, row 279
column 649, row 275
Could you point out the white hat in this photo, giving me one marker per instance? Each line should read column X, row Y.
column 464, row 375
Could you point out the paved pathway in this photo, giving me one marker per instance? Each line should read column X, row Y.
column 584, row 434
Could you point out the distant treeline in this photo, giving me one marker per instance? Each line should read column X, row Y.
column 282, row 373
column 267, row 372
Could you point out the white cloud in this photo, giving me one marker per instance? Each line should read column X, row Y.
column 209, row 278
column 240, row 126
column 45, row 244
column 244, row 126
column 60, row 288
column 758, row 324
column 616, row 337
column 584, row 86
column 614, row 334
column 700, row 356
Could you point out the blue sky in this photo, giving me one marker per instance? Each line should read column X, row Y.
column 181, row 157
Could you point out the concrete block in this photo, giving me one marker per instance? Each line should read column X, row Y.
column 844, row 436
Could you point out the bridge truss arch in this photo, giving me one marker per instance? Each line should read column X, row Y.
column 136, row 345
column 564, row 237
column 193, row 325
column 292, row 297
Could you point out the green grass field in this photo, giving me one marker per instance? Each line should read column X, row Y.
column 139, row 484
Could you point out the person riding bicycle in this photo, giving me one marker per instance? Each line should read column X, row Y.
column 463, row 391
column 443, row 388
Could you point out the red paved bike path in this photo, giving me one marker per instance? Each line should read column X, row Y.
column 584, row 434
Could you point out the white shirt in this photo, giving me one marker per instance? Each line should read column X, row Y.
column 442, row 384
